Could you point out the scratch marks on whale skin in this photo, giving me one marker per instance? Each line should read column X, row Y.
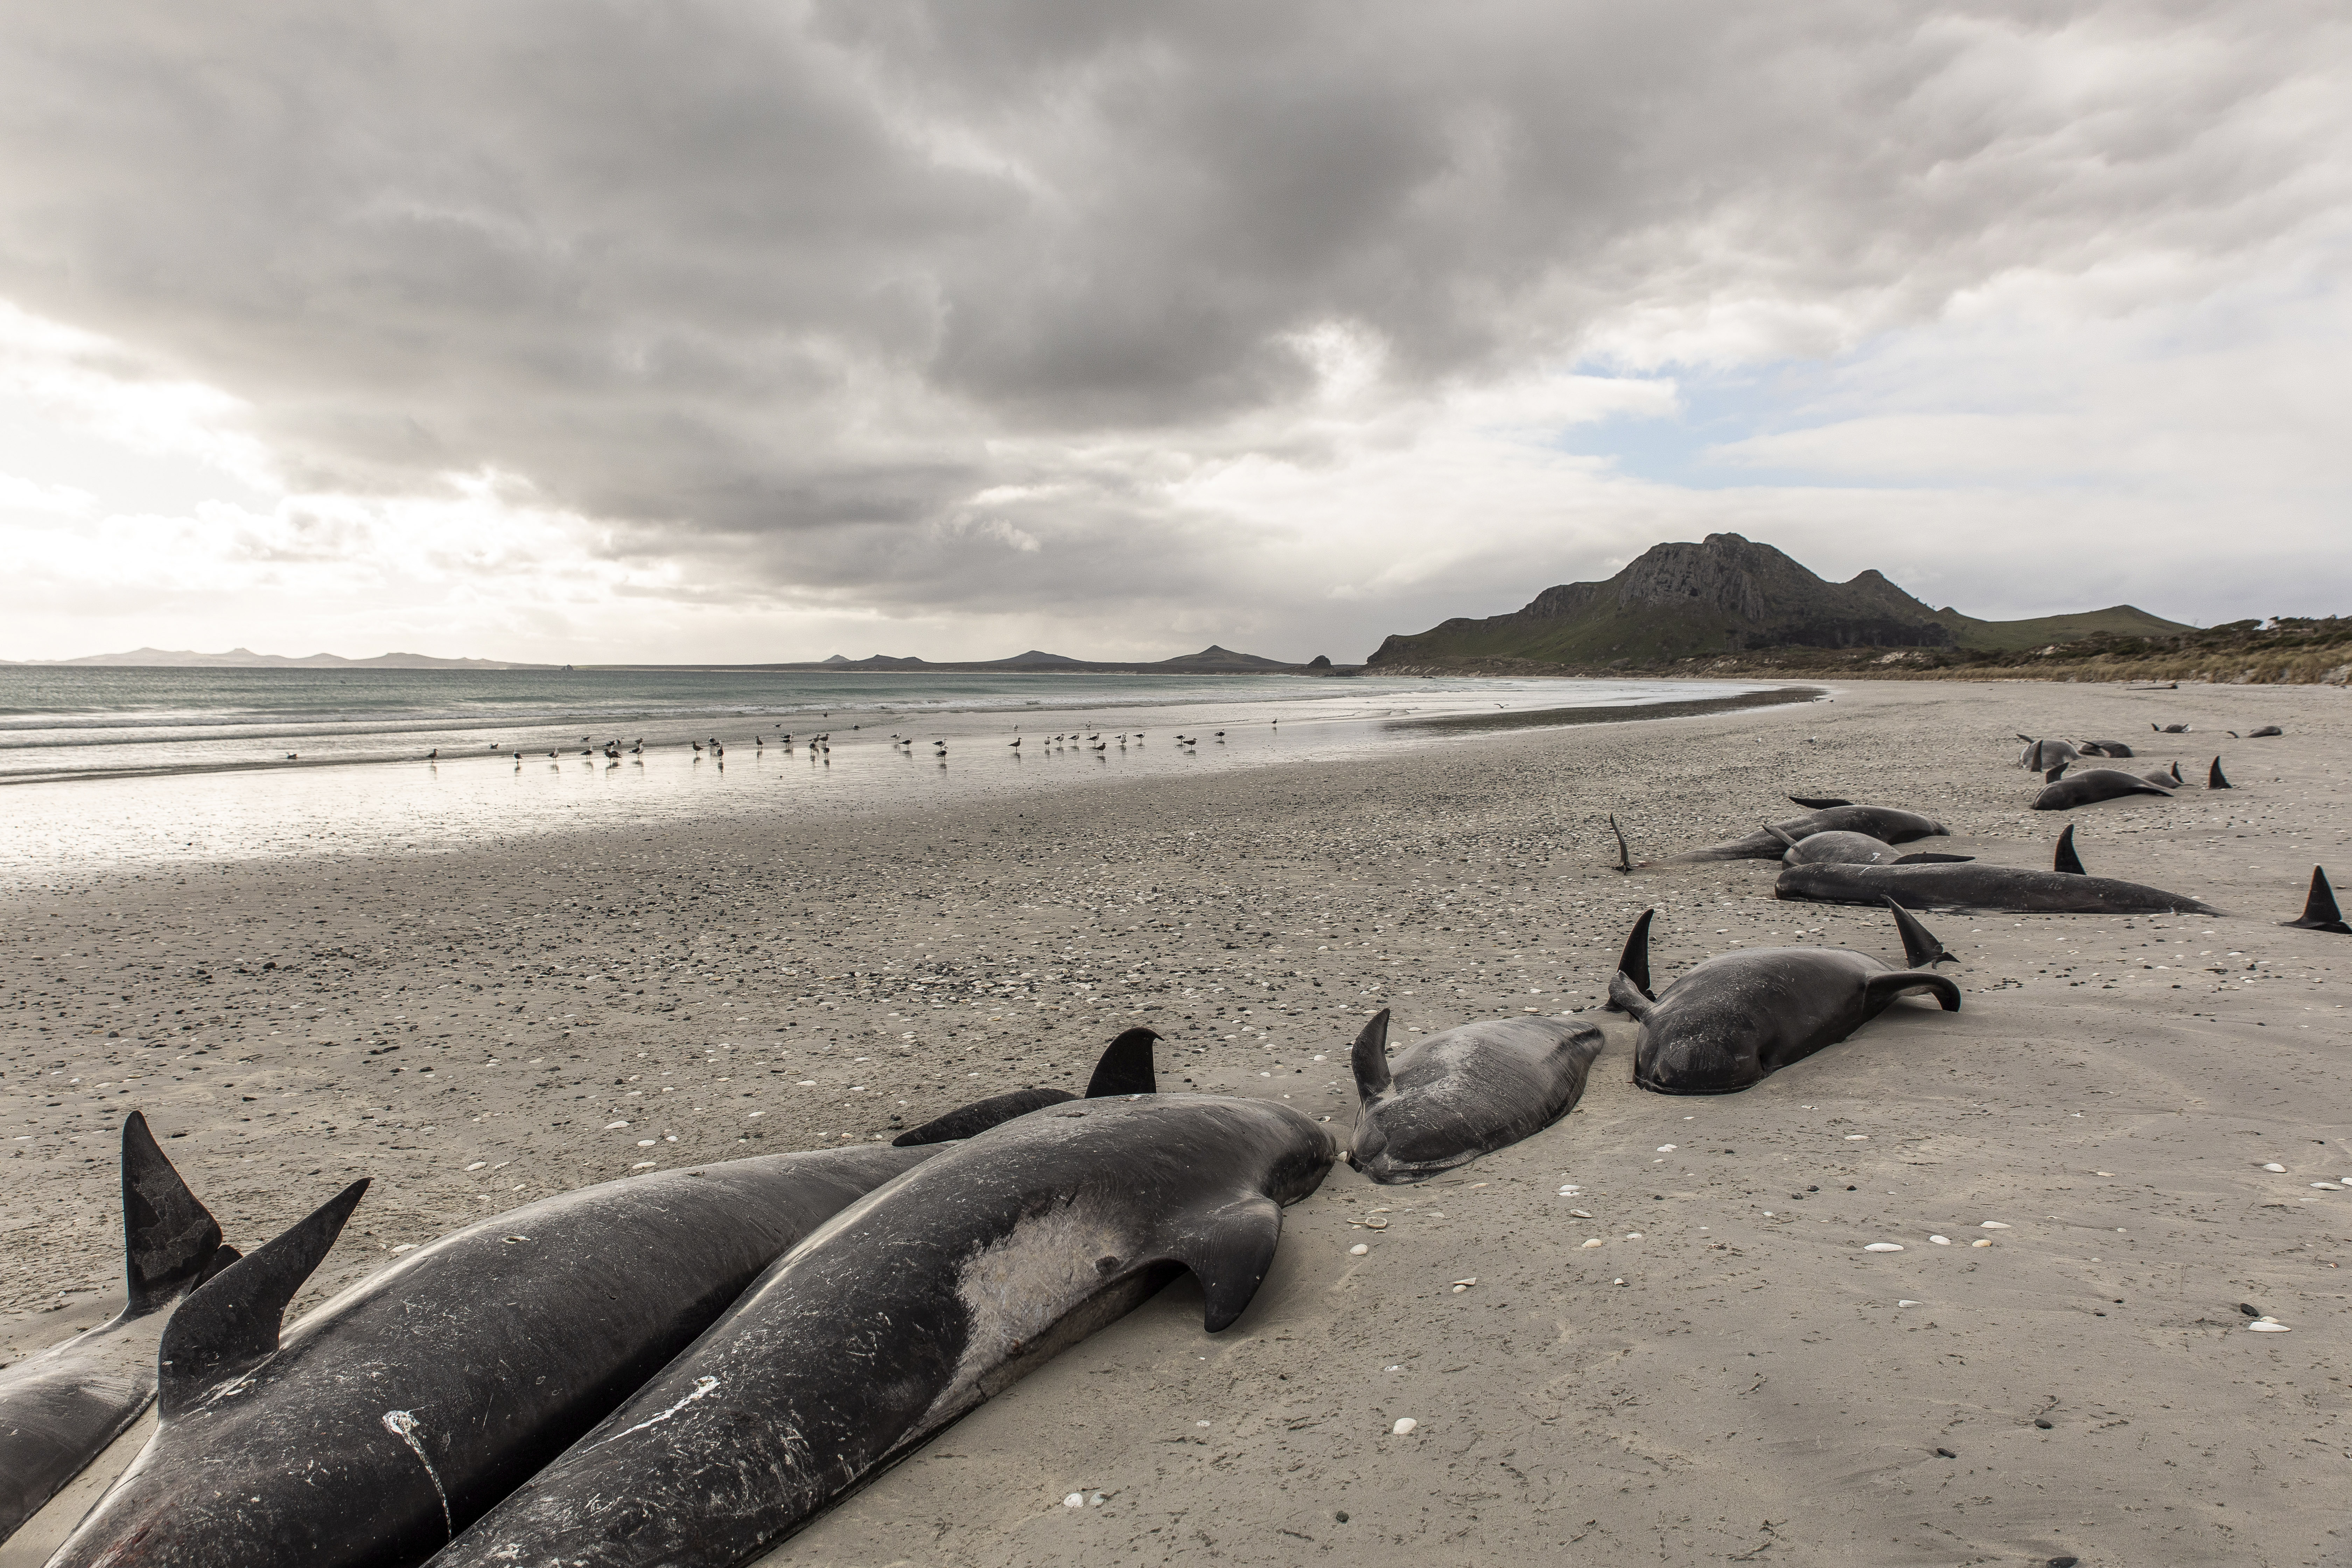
column 704, row 1387
column 1016, row 1288
column 402, row 1424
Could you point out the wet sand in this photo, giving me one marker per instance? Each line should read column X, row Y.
column 1729, row 1376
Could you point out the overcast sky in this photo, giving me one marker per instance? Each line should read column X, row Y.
column 771, row 331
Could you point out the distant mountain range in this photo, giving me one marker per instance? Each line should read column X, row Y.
column 1725, row 596
column 1210, row 660
column 246, row 658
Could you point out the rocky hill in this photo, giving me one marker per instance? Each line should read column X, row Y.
column 1726, row 596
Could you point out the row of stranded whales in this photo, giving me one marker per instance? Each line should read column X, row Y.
column 1731, row 1020
column 908, row 1310
column 1446, row 1100
column 2041, row 756
column 60, row 1409
column 395, row 1415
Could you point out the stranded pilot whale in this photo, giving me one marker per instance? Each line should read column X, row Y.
column 1884, row 823
column 1124, row 1069
column 1462, row 1092
column 1735, row 1018
column 1839, row 844
column 2064, row 891
column 907, row 1310
column 385, row 1421
column 2062, row 790
column 60, row 1409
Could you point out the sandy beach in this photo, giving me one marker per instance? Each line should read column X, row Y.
column 1729, row 1376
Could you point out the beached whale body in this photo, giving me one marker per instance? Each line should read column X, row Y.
column 1977, row 885
column 60, row 1409
column 398, row 1412
column 2064, row 791
column 1884, row 823
column 907, row 1310
column 2106, row 749
column 1730, row 1021
column 1125, row 1068
column 1448, row 1098
column 2041, row 756
column 1858, row 848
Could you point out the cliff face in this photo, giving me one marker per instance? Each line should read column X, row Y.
column 1724, row 594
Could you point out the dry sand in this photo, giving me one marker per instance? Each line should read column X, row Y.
column 1729, row 1376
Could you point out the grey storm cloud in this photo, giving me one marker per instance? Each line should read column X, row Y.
column 776, row 288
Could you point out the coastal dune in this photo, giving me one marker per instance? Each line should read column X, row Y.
column 1730, row 1374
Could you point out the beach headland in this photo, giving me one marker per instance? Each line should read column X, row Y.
column 1730, row 1374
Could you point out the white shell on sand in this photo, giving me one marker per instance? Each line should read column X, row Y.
column 1405, row 1424
column 1882, row 1246
column 1666, row 1148
column 2268, row 1326
column 1941, row 1240
column 1076, row 1500
column 2327, row 1186
column 1906, row 1303
column 2278, row 1168
column 1579, row 1214
column 1593, row 1242
column 1993, row 1225
column 1981, row 1241
column 1358, row 1250
column 1632, row 1235
column 614, row 1126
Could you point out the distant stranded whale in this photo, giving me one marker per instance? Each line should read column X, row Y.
column 1460, row 1093
column 59, row 1408
column 1733, row 1019
column 907, row 1310
column 1978, row 886
column 1886, row 824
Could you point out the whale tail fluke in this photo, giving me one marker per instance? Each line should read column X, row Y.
column 233, row 1320
column 2319, row 908
column 1626, row 997
column 2065, row 859
column 1920, row 948
column 1624, row 860
column 1369, row 1056
column 1882, row 989
column 1633, row 963
column 169, row 1237
column 1819, row 803
column 1229, row 1250
column 1929, row 857
column 1125, row 1066
column 2214, row 777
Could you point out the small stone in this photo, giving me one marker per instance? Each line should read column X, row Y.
column 1358, row 1250
column 2042, row 1422
column 1341, row 1516
column 1946, row 1454
column 2064, row 1562
column 1403, row 1428
column 1882, row 1246
column 2249, row 1308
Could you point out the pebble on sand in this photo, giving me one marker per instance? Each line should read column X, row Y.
column 1405, row 1424
column 1076, row 1500
column 1358, row 1250
column 1593, row 1241
column 1884, row 1246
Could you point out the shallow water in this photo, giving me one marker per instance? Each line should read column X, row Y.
column 121, row 770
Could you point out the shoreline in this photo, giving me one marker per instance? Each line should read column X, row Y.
column 1728, row 1354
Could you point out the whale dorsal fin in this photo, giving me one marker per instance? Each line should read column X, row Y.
column 2319, row 908
column 1633, row 963
column 1229, row 1250
column 2065, row 859
column 2054, row 774
column 1920, row 947
column 1125, row 1068
column 1818, row 803
column 168, row 1237
column 2214, row 777
column 1369, row 1056
column 234, row 1321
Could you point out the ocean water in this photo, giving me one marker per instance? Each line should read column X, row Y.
column 104, row 770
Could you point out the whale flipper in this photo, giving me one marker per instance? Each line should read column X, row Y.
column 1820, row 803
column 1229, row 1250
column 2215, row 778
column 1920, row 947
column 2065, row 859
column 1125, row 1066
column 1931, row 858
column 1881, row 989
column 1369, row 1056
column 233, row 1320
column 168, row 1237
column 2319, row 908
